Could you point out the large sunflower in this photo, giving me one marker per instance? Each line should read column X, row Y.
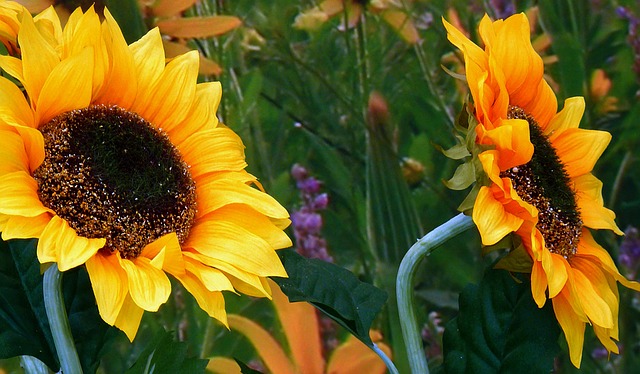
column 116, row 160
column 535, row 180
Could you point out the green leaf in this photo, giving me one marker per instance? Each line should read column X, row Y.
column 22, row 287
column 500, row 329
column 164, row 355
column 464, row 177
column 23, row 331
column 335, row 291
column 127, row 14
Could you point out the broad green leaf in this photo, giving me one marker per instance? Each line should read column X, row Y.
column 500, row 329
column 23, row 331
column 464, row 177
column 164, row 355
column 334, row 290
column 25, row 311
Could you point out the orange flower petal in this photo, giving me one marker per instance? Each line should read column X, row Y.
column 493, row 222
column 129, row 318
column 109, row 283
column 198, row 27
column 579, row 149
column 590, row 203
column 572, row 327
column 149, row 286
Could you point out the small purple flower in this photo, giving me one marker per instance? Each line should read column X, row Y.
column 633, row 36
column 503, row 8
column 630, row 251
column 307, row 221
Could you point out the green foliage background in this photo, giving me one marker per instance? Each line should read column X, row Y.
column 301, row 97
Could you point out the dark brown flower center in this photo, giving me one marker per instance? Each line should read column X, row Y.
column 110, row 174
column 544, row 183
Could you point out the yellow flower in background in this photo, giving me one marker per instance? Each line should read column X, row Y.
column 536, row 181
column 392, row 11
column 300, row 324
column 116, row 160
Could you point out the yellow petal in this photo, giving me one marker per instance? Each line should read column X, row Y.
column 266, row 346
column 212, row 150
column 588, row 190
column 129, row 318
column 593, row 305
column 232, row 188
column 605, row 339
column 198, row 27
column 70, row 249
column 13, row 66
column 174, row 94
column 19, row 195
column 300, row 324
column 18, row 227
column 212, row 278
column 580, row 149
column 148, row 59
column 233, row 244
column 493, row 222
column 207, row 66
column 211, row 302
column 568, row 118
column 121, row 81
column 173, row 262
column 109, row 283
column 572, row 327
column 555, row 267
column 149, row 286
column 38, row 58
column 14, row 109
column 538, row 283
column 202, row 115
column 13, row 156
column 74, row 77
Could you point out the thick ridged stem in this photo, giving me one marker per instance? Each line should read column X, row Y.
column 404, row 286
column 58, row 321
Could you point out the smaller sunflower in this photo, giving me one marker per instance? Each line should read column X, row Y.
column 533, row 172
column 115, row 160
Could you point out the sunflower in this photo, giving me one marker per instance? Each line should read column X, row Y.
column 534, row 180
column 116, row 160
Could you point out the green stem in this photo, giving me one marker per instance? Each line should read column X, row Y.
column 387, row 361
column 32, row 365
column 404, row 285
column 58, row 321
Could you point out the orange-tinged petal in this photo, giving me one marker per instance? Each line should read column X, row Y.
column 18, row 227
column 473, row 54
column 579, row 149
column 19, row 195
column 38, row 58
column 198, row 27
column 568, row 118
column 69, row 249
column 13, row 66
column 109, row 283
column 212, row 278
column 271, row 353
column 230, row 243
column 74, row 77
column 588, row 191
column 129, row 318
column 149, row 286
column 605, row 339
column 353, row 356
column 299, row 322
column 401, row 22
column 165, row 8
column 512, row 141
column 173, row 262
column 207, row 66
column 331, row 7
column 223, row 365
column 572, row 327
column 493, row 222
column 600, row 282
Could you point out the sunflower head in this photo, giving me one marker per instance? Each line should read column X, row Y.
column 532, row 171
column 113, row 158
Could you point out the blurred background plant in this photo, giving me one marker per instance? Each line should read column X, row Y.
column 355, row 91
